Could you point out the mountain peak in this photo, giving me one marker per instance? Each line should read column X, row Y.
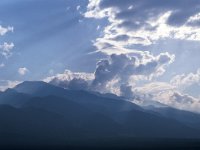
column 38, row 88
column 31, row 87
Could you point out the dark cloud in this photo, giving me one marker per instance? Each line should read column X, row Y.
column 144, row 10
column 114, row 66
column 177, row 97
column 123, row 37
column 126, row 91
column 123, row 66
column 150, row 20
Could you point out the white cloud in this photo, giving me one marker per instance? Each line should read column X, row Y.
column 4, row 30
column 5, row 49
column 155, row 87
column 117, row 70
column 178, row 100
column 22, row 71
column 188, row 83
column 78, row 7
column 5, row 84
column 70, row 79
column 69, row 75
column 153, row 93
column 185, row 80
column 166, row 94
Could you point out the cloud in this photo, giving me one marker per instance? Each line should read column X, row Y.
column 185, row 80
column 5, row 49
column 114, row 73
column 5, row 84
column 167, row 94
column 126, row 91
column 180, row 101
column 119, row 74
column 78, row 7
column 123, row 66
column 144, row 21
column 4, row 30
column 188, row 83
column 22, row 71
column 155, row 87
column 72, row 80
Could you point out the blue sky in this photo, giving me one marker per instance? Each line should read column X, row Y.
column 48, row 35
column 60, row 39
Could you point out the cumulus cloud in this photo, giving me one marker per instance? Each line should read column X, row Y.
column 115, row 73
column 189, row 83
column 118, row 74
column 184, row 80
column 22, row 71
column 144, row 21
column 178, row 100
column 4, row 30
column 72, row 80
column 123, row 66
column 167, row 94
column 5, row 49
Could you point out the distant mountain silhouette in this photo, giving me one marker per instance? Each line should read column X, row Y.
column 186, row 117
column 40, row 113
column 13, row 98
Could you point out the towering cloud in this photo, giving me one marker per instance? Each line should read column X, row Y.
column 123, row 66
column 115, row 72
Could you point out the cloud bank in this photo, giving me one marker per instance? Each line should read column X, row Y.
column 116, row 70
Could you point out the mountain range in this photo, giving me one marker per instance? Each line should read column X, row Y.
column 38, row 113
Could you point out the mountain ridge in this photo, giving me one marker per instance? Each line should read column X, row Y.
column 83, row 114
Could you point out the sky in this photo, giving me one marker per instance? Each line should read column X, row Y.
column 140, row 49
